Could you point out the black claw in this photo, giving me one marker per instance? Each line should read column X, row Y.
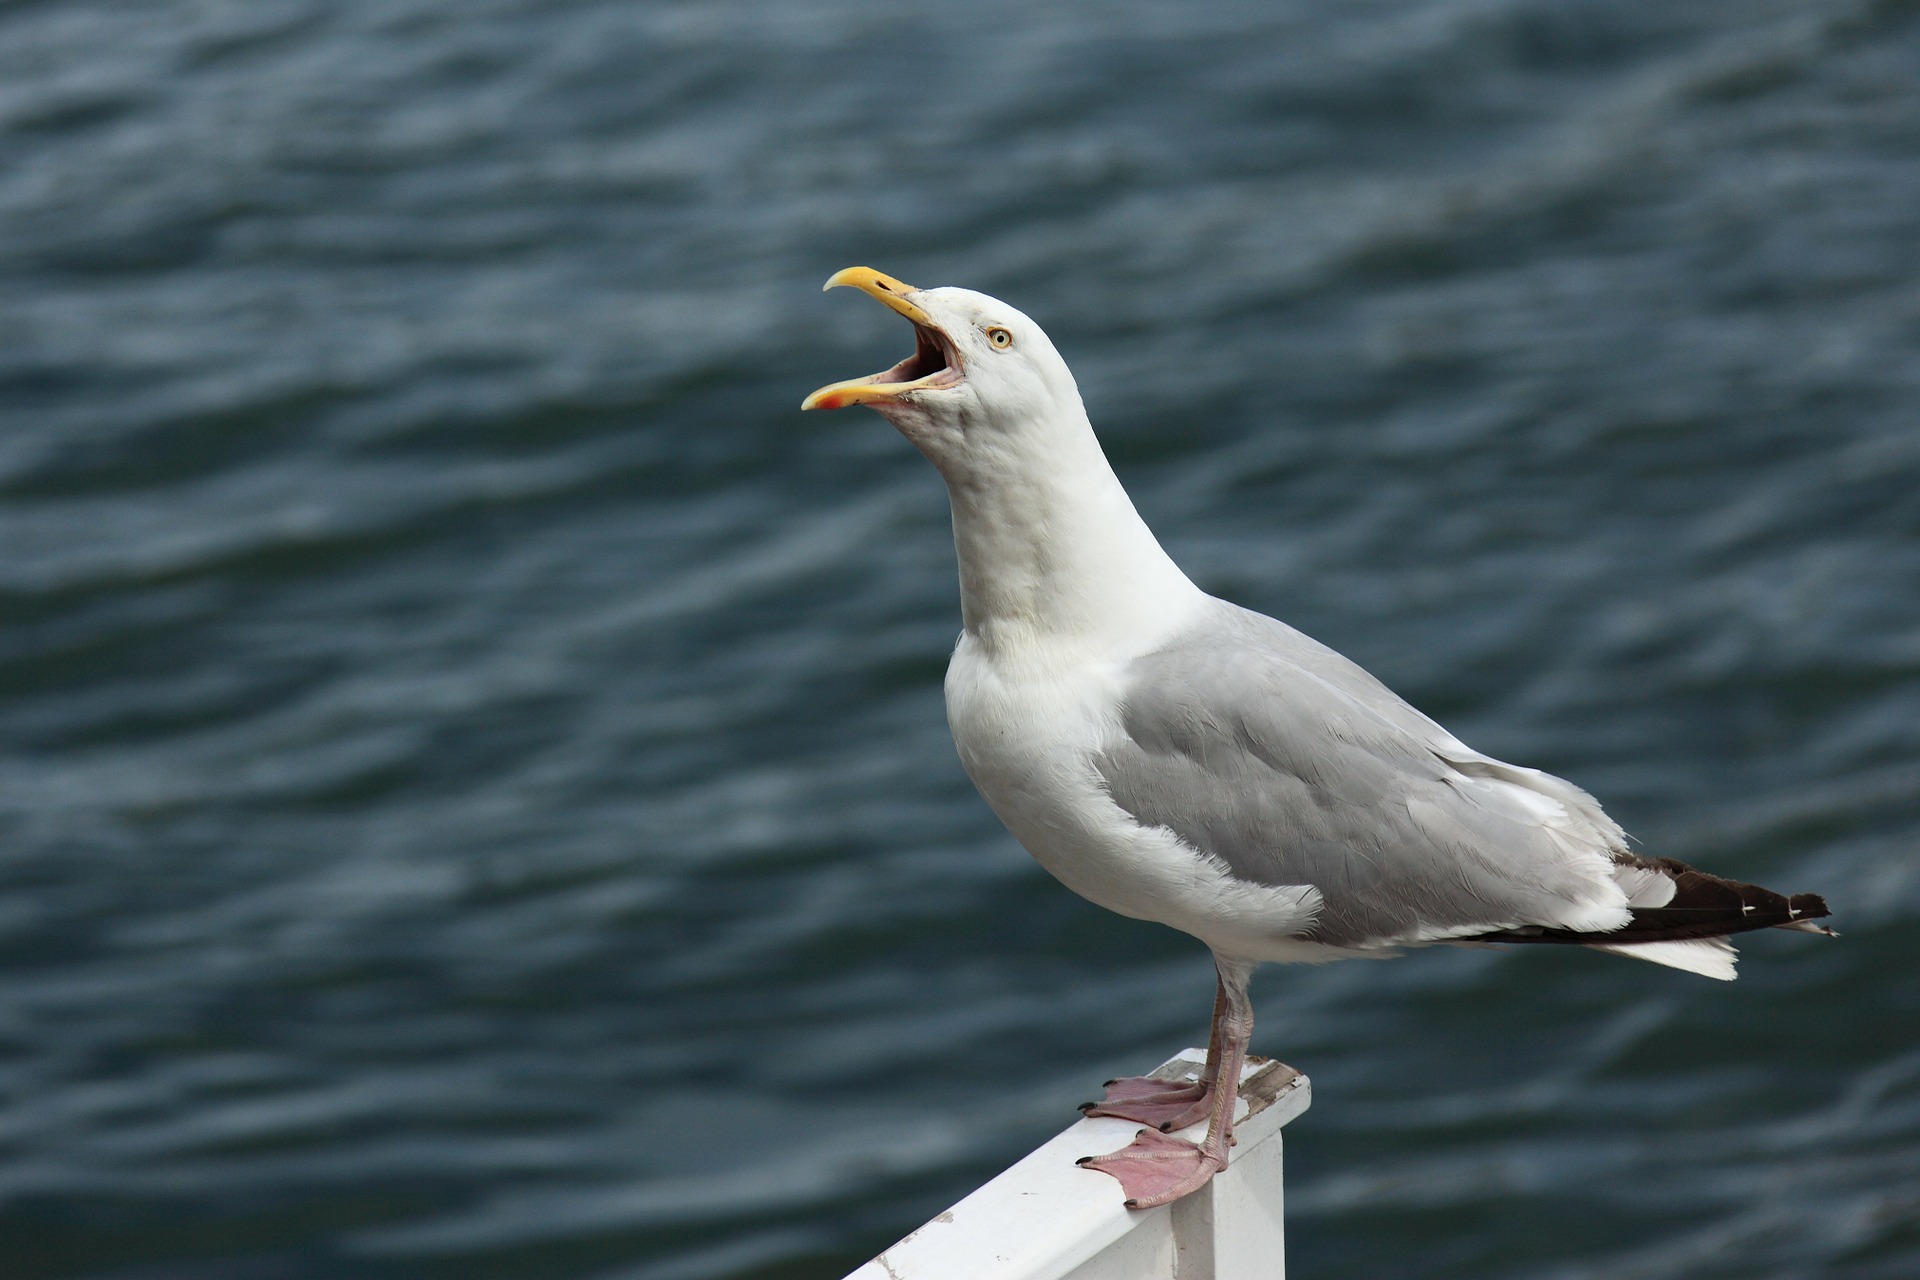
column 1131, row 1204
column 1167, row 1127
column 1109, row 1084
column 1084, row 1160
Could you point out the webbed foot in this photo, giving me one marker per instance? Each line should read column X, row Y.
column 1155, row 1169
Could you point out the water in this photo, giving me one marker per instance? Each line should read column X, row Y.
column 474, row 798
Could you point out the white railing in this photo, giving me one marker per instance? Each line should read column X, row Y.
column 1047, row 1219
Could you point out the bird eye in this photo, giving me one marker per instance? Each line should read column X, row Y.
column 1000, row 338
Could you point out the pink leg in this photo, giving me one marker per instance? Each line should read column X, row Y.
column 1156, row 1169
column 1162, row 1103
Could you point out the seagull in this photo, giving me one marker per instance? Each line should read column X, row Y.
column 1177, row 758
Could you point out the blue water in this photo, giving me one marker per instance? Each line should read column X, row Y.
column 474, row 797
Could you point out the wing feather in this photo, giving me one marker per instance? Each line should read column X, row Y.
column 1291, row 765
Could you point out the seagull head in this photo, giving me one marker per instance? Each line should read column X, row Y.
column 982, row 377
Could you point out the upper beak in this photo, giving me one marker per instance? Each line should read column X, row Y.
column 933, row 363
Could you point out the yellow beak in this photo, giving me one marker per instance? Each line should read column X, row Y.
column 882, row 286
column 892, row 382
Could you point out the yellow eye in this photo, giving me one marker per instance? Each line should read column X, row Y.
column 1000, row 338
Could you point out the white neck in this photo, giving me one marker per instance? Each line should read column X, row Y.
column 1051, row 547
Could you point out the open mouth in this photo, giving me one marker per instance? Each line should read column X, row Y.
column 934, row 364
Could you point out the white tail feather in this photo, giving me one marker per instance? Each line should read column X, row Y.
column 1708, row 957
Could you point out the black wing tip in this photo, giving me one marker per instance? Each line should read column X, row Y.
column 1703, row 906
column 1808, row 906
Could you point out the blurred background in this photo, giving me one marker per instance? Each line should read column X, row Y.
column 474, row 794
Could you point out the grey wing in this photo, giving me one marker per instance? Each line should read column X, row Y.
column 1348, row 677
column 1291, row 765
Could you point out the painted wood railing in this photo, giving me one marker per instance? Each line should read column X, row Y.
column 1047, row 1219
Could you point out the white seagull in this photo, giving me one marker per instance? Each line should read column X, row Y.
column 1174, row 757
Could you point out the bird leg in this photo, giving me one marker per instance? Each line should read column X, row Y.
column 1156, row 1169
column 1164, row 1103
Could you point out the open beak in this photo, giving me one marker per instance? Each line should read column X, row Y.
column 934, row 363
